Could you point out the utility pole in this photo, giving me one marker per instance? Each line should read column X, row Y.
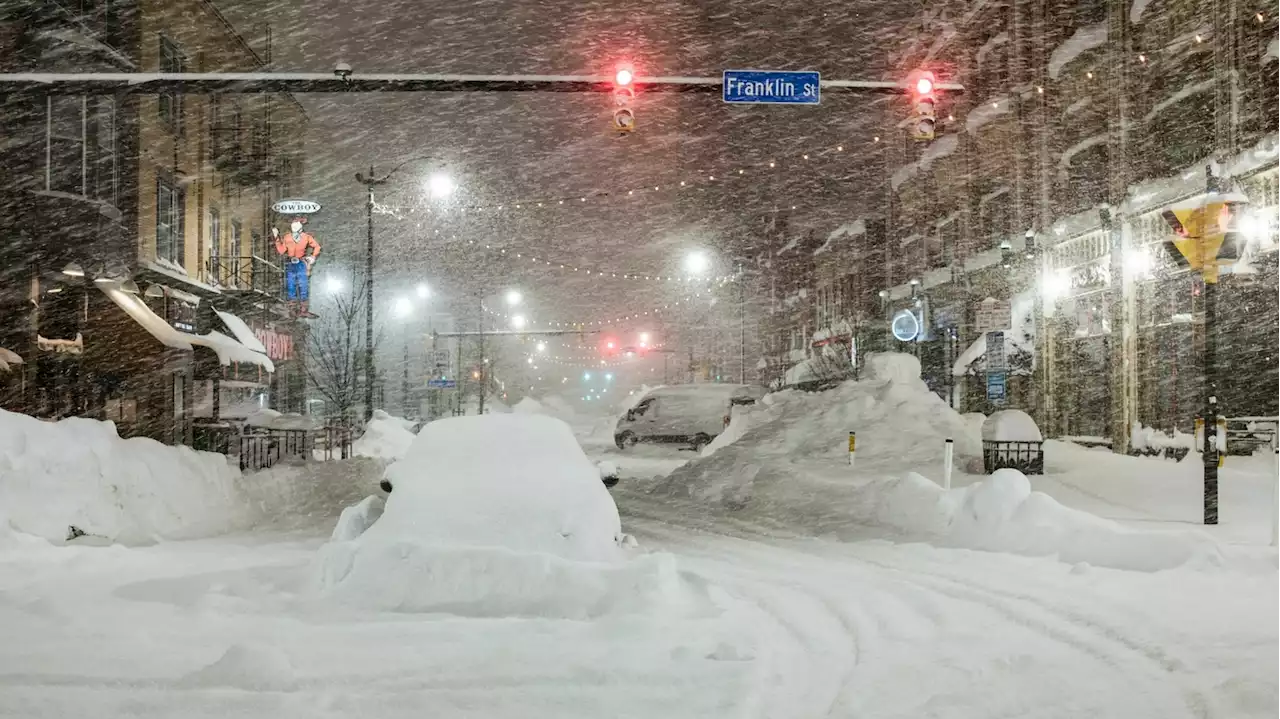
column 404, row 380
column 742, row 327
column 369, row 182
column 484, row 374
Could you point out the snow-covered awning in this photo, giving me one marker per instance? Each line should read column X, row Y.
column 241, row 330
column 8, row 358
column 227, row 349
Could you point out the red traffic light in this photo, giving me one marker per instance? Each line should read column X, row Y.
column 924, row 85
column 624, row 76
column 610, row 345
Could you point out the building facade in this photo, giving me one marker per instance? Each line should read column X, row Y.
column 138, row 282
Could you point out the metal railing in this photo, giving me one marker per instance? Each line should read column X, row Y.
column 1026, row 457
column 258, row 448
column 249, row 273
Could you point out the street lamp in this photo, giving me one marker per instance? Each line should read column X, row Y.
column 333, row 284
column 514, row 298
column 370, row 182
column 423, row 291
column 542, row 346
column 518, row 321
column 696, row 263
column 440, row 185
column 403, row 308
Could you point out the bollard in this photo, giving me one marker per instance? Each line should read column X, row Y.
column 1275, row 497
column 852, row 442
column 948, row 453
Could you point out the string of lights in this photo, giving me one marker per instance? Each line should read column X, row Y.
column 596, row 272
column 598, row 322
column 699, row 181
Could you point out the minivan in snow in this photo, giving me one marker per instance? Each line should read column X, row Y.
column 691, row 414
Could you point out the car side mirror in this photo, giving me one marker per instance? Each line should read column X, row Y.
column 631, row 415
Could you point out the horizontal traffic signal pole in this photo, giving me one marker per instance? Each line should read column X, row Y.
column 145, row 83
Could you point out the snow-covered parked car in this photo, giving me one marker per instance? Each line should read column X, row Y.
column 690, row 414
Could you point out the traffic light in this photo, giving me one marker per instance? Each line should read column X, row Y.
column 924, row 106
column 624, row 95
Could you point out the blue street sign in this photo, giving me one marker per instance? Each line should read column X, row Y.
column 996, row 387
column 776, row 87
column 442, row 383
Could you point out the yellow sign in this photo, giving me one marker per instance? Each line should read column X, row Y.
column 851, row 442
column 1200, row 233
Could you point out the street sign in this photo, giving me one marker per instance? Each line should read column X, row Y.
column 296, row 207
column 996, row 387
column 442, row 383
column 774, row 87
column 440, row 358
column 993, row 315
column 996, row 360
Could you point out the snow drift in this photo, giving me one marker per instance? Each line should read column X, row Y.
column 385, row 437
column 80, row 472
column 495, row 515
column 1001, row 513
column 770, row 446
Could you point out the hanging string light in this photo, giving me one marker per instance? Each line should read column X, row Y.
column 569, row 267
column 586, row 324
column 647, row 189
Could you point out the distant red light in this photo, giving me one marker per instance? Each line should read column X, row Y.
column 609, row 345
column 623, row 77
column 924, row 86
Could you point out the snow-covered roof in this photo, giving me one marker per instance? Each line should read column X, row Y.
column 227, row 349
column 241, row 330
column 7, row 358
column 1273, row 50
column 1083, row 40
column 1179, row 96
column 986, row 112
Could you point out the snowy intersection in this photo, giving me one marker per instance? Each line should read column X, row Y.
column 791, row 627
column 770, row 580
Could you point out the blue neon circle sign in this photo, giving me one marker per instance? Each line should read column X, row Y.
column 905, row 326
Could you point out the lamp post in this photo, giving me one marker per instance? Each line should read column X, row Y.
column 439, row 185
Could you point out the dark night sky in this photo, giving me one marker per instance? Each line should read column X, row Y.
column 506, row 147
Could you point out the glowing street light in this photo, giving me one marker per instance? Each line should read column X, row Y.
column 440, row 185
column 518, row 321
column 423, row 291
column 542, row 346
column 333, row 284
column 403, row 307
column 514, row 298
column 696, row 263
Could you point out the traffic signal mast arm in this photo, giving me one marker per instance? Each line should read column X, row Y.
column 150, row 83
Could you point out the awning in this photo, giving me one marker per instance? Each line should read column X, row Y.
column 227, row 349
column 8, row 358
column 241, row 330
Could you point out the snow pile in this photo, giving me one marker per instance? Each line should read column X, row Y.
column 1151, row 438
column 528, row 405
column 357, row 518
column 772, row 447
column 244, row 666
column 510, row 519
column 80, row 472
column 1011, row 425
column 1002, row 514
column 271, row 419
column 309, row 495
column 385, row 437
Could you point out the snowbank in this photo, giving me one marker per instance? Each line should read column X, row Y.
column 385, row 437
column 80, row 472
column 528, row 405
column 357, row 518
column 1002, row 514
column 1150, row 438
column 511, row 518
column 1011, row 425
column 772, row 449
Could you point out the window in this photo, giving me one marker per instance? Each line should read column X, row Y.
column 170, row 205
column 215, row 234
column 171, row 61
column 65, row 172
column 235, row 238
column 105, row 156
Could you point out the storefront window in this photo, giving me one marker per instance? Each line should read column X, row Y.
column 170, row 206
column 66, row 171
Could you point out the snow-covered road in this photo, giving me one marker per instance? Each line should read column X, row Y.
column 794, row 627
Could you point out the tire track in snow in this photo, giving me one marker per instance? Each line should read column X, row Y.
column 1089, row 636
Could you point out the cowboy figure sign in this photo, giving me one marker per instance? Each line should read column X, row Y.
column 297, row 263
